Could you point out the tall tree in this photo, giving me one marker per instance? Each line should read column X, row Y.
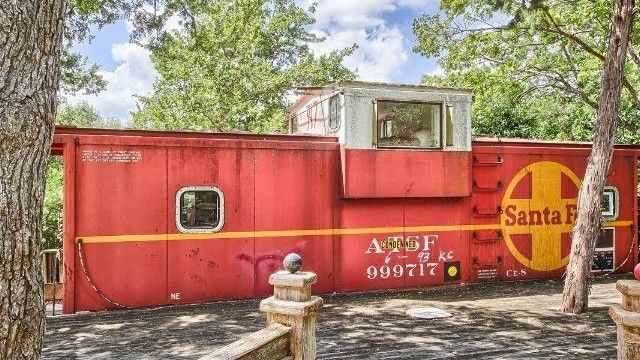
column 533, row 65
column 587, row 227
column 31, row 33
column 230, row 64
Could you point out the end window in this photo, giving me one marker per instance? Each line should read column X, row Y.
column 293, row 126
column 610, row 203
column 604, row 256
column 334, row 113
column 449, row 126
column 408, row 124
column 199, row 209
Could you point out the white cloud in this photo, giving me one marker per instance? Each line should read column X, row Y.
column 380, row 54
column 383, row 49
column 437, row 71
column 134, row 75
column 416, row 4
column 352, row 14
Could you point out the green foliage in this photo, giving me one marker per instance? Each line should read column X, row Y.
column 231, row 65
column 52, row 210
column 77, row 76
column 83, row 115
column 534, row 66
column 505, row 107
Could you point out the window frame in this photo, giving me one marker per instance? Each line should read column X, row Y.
column 612, row 191
column 293, row 124
column 199, row 230
column 334, row 99
column 611, row 249
column 376, row 123
column 613, row 241
column 445, row 125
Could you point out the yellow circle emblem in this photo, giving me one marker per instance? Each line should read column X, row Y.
column 452, row 271
column 545, row 216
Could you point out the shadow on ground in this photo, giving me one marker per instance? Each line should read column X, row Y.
column 490, row 321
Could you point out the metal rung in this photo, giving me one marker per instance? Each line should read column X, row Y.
column 499, row 186
column 478, row 240
column 476, row 263
column 499, row 160
column 478, row 213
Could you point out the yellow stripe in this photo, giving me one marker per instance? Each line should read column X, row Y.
column 282, row 233
column 617, row 223
column 309, row 232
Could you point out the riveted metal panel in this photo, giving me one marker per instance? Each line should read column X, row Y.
column 208, row 268
column 365, row 256
column 405, row 173
column 295, row 192
column 116, row 196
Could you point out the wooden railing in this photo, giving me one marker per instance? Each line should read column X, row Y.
column 52, row 276
column 291, row 320
column 272, row 342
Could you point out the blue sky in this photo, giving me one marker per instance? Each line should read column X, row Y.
column 381, row 28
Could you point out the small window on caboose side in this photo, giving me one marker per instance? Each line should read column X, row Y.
column 199, row 209
column 610, row 203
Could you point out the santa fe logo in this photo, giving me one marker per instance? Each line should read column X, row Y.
column 545, row 216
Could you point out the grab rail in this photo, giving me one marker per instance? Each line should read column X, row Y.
column 498, row 161
column 476, row 263
column 478, row 213
column 499, row 186
column 478, row 240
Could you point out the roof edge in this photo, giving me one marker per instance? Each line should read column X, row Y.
column 379, row 85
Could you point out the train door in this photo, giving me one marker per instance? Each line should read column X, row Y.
column 371, row 259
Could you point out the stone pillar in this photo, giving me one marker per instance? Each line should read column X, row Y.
column 627, row 318
column 293, row 306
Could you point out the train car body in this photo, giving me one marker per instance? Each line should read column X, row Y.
column 371, row 201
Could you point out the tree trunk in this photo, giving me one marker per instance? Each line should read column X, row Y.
column 30, row 41
column 587, row 227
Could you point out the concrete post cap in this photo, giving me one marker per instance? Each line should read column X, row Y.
column 629, row 287
column 284, row 307
column 297, row 280
column 624, row 317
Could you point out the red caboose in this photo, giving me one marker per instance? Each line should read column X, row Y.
column 385, row 190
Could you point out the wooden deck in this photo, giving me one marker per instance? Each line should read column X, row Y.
column 490, row 321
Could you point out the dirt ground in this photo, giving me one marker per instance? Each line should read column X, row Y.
column 490, row 321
